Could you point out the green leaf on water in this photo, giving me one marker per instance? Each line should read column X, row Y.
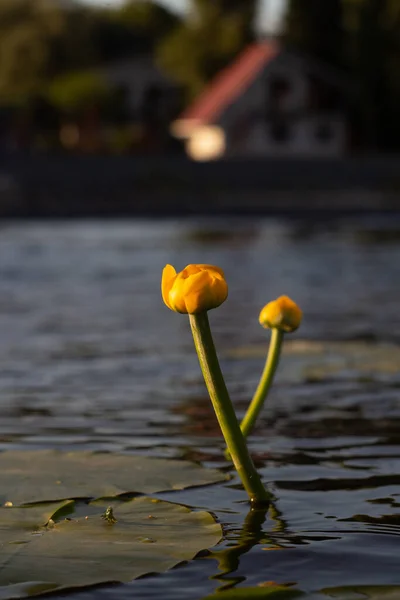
column 147, row 535
column 32, row 517
column 269, row 591
column 47, row 475
column 364, row 592
column 41, row 550
column 21, row 590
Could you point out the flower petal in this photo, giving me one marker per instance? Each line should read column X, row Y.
column 190, row 270
column 219, row 290
column 197, row 292
column 167, row 280
column 176, row 294
column 217, row 270
column 196, row 282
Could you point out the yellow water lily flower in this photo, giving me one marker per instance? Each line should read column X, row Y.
column 282, row 313
column 195, row 289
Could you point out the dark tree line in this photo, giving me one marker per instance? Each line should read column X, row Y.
column 213, row 34
column 362, row 37
column 55, row 56
column 49, row 48
column 42, row 40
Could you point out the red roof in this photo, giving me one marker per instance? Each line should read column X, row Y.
column 230, row 82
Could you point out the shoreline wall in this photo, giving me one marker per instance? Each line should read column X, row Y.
column 83, row 186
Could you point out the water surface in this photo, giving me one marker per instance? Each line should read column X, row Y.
column 91, row 359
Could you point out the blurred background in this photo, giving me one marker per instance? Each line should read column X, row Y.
column 154, row 98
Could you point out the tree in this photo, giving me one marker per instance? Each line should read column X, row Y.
column 215, row 32
column 42, row 39
column 137, row 27
column 74, row 91
column 363, row 37
column 148, row 19
column 373, row 42
column 27, row 30
column 316, row 27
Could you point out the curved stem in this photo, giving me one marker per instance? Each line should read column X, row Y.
column 224, row 410
column 265, row 382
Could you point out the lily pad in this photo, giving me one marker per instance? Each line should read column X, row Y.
column 21, row 590
column 145, row 535
column 267, row 591
column 364, row 592
column 44, row 475
column 31, row 518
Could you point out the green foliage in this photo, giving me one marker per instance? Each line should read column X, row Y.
column 315, row 27
column 363, row 37
column 78, row 540
column 269, row 591
column 375, row 62
column 49, row 475
column 366, row 592
column 148, row 19
column 136, row 27
column 39, row 546
column 44, row 39
column 47, row 44
column 27, row 32
column 74, row 91
column 75, row 47
column 207, row 41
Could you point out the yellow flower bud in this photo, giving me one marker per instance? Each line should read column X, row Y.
column 195, row 289
column 282, row 313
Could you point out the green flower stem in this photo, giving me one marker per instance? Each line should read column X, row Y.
column 224, row 410
column 267, row 377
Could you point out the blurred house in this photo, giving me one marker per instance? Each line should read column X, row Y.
column 148, row 92
column 270, row 102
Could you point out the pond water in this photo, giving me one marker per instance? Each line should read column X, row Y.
column 91, row 359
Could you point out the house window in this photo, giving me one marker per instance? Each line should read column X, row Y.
column 324, row 132
column 280, row 132
column 278, row 90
